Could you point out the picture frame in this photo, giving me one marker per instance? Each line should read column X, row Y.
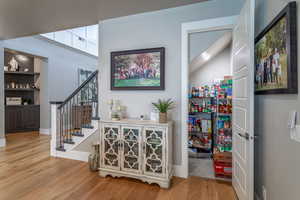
column 142, row 69
column 276, row 55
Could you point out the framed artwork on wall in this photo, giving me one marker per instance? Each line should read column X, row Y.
column 142, row 69
column 276, row 55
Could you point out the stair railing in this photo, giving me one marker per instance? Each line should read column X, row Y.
column 77, row 112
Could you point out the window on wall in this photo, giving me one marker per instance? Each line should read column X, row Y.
column 82, row 38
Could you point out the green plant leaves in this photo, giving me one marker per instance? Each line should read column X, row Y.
column 164, row 105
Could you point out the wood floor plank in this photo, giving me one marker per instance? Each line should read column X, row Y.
column 28, row 172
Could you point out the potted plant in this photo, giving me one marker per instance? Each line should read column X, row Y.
column 163, row 106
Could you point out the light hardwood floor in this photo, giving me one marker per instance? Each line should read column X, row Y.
column 28, row 172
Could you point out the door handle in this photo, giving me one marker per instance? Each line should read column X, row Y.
column 246, row 135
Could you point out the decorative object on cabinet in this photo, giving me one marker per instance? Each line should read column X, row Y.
column 154, row 116
column 111, row 104
column 13, row 101
column 276, row 54
column 6, row 68
column 14, row 65
column 142, row 69
column 163, row 106
column 137, row 149
column 94, row 158
column 115, row 110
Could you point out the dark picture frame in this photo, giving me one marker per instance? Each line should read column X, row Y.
column 158, row 76
column 288, row 15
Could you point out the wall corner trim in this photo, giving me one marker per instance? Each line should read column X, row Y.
column 179, row 171
column 2, row 142
column 44, row 131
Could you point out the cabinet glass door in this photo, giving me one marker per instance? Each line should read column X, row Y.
column 110, row 147
column 154, row 151
column 131, row 151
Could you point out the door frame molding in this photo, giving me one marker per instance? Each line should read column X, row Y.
column 215, row 24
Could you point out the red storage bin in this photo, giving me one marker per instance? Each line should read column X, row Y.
column 223, row 165
column 223, row 168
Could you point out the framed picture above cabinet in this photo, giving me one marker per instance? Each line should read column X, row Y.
column 142, row 69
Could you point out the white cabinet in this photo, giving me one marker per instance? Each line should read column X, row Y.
column 137, row 149
column 110, row 146
column 131, row 149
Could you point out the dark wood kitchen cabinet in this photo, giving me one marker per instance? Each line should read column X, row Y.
column 22, row 118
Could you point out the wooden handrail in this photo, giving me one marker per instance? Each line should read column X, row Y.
column 95, row 73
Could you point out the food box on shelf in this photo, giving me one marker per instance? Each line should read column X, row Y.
column 223, row 164
column 225, row 157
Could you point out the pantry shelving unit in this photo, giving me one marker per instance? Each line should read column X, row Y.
column 223, row 130
column 201, row 116
column 222, row 158
column 223, row 118
column 210, row 108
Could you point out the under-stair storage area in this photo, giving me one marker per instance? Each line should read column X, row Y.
column 140, row 149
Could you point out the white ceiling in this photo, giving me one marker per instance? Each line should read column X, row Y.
column 28, row 17
column 216, row 48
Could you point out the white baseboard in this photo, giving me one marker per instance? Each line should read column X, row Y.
column 44, row 131
column 2, row 142
column 74, row 155
column 178, row 171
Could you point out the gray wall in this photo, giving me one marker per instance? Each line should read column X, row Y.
column 276, row 155
column 59, row 78
column 154, row 29
column 215, row 69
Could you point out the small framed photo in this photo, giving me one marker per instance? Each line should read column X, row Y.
column 142, row 69
column 276, row 55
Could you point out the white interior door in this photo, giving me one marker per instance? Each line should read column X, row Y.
column 243, row 102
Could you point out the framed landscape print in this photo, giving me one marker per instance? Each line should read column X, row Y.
column 276, row 55
column 142, row 69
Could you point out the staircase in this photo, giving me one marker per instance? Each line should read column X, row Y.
column 74, row 120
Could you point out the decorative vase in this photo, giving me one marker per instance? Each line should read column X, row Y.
column 94, row 158
column 163, row 117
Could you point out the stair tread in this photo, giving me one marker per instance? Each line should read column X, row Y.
column 88, row 127
column 69, row 141
column 60, row 149
column 78, row 134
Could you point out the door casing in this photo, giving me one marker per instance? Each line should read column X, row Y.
column 216, row 24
